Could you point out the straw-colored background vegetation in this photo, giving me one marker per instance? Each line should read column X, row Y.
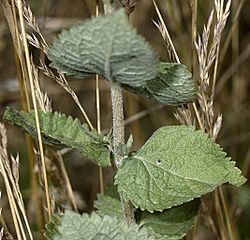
column 223, row 213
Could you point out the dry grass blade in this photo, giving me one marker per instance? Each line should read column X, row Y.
column 129, row 5
column 98, row 115
column 62, row 81
column 42, row 98
column 1, row 234
column 181, row 113
column 31, row 81
column 217, row 126
column 31, row 20
column 61, row 187
column 208, row 215
column 4, row 232
column 11, row 178
column 54, row 162
column 12, row 203
column 232, row 30
column 184, row 116
column 40, row 43
column 208, row 56
column 222, row 15
column 164, row 31
column 165, row 36
column 10, row 14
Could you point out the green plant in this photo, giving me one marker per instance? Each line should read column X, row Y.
column 176, row 165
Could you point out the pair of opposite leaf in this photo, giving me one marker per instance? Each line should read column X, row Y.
column 109, row 46
column 176, row 164
column 172, row 224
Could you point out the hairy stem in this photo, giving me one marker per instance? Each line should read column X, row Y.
column 119, row 140
column 118, row 122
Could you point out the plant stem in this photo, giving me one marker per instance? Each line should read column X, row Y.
column 119, row 140
column 118, row 122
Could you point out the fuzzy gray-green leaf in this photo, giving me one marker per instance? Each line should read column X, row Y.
column 172, row 223
column 173, row 85
column 107, row 205
column 89, row 227
column 176, row 165
column 61, row 131
column 52, row 227
column 107, row 45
